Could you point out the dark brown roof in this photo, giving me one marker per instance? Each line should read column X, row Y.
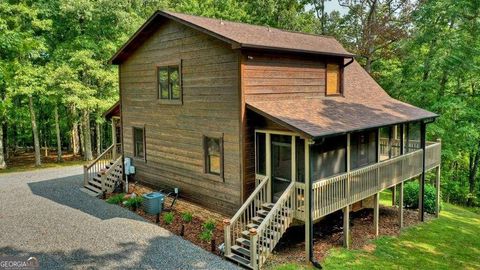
column 239, row 35
column 364, row 105
column 112, row 111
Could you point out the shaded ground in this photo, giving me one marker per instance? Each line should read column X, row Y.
column 43, row 214
column 25, row 161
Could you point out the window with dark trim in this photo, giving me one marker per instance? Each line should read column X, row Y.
column 139, row 142
column 333, row 85
column 169, row 84
column 213, row 148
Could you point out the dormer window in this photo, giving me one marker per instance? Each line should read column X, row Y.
column 333, row 85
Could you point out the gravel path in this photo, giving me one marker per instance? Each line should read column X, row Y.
column 44, row 214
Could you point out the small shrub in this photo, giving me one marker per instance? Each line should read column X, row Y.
column 209, row 225
column 206, row 235
column 168, row 218
column 187, row 217
column 410, row 196
column 134, row 203
column 116, row 199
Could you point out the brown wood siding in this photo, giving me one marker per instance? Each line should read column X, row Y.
column 282, row 76
column 174, row 147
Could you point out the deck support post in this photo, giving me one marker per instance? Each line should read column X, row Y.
column 268, row 162
column 376, row 212
column 394, row 195
column 437, row 186
column 346, row 226
column 420, row 198
column 421, row 190
column 400, row 206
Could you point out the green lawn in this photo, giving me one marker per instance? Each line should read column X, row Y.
column 450, row 242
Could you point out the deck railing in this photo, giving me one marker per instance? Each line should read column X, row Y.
column 333, row 193
column 234, row 227
column 269, row 232
column 110, row 176
column 96, row 166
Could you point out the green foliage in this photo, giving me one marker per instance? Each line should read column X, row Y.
column 133, row 202
column 207, row 232
column 187, row 217
column 168, row 218
column 411, row 195
column 116, row 199
column 209, row 225
column 206, row 235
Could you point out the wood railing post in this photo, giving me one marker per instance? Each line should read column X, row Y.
column 254, row 258
column 103, row 178
column 228, row 239
column 114, row 140
column 85, row 175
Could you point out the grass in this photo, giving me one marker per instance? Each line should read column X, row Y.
column 29, row 167
column 449, row 242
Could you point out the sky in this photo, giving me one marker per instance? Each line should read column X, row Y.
column 333, row 5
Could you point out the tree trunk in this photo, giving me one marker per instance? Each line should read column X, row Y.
column 75, row 140
column 59, row 138
column 99, row 138
column 3, row 165
column 6, row 150
column 87, row 140
column 36, row 142
column 473, row 169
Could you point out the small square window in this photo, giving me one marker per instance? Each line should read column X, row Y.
column 213, row 148
column 333, row 79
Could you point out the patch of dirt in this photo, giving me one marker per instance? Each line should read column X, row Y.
column 328, row 233
column 25, row 158
column 191, row 230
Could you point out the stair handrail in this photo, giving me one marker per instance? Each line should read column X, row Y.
column 284, row 207
column 107, row 172
column 233, row 226
column 95, row 167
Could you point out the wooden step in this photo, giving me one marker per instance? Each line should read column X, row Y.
column 94, row 189
column 95, row 184
column 267, row 206
column 262, row 213
column 257, row 220
column 240, row 260
column 243, row 242
column 241, row 251
column 252, row 226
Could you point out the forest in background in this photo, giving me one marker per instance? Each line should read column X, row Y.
column 55, row 80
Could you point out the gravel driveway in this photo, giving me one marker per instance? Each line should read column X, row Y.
column 44, row 214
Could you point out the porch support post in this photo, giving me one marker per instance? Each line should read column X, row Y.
column 400, row 206
column 437, row 200
column 421, row 190
column 268, row 162
column 114, row 140
column 308, row 204
column 394, row 195
column 346, row 209
column 376, row 213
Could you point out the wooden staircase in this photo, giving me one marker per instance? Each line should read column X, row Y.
column 251, row 235
column 104, row 173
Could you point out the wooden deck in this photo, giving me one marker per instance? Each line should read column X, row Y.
column 334, row 193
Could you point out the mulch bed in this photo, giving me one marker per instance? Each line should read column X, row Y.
column 192, row 229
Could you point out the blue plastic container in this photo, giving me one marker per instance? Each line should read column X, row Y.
column 153, row 202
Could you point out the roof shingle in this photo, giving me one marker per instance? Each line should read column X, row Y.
column 364, row 105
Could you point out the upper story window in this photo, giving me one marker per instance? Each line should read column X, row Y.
column 333, row 85
column 169, row 84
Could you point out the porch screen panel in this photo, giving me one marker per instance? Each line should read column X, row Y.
column 413, row 137
column 328, row 157
column 260, row 159
column 363, row 149
column 300, row 157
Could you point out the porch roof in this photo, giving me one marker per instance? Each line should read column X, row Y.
column 364, row 105
column 113, row 111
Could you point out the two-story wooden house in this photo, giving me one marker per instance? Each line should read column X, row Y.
column 268, row 125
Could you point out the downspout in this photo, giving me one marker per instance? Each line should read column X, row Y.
column 311, row 258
